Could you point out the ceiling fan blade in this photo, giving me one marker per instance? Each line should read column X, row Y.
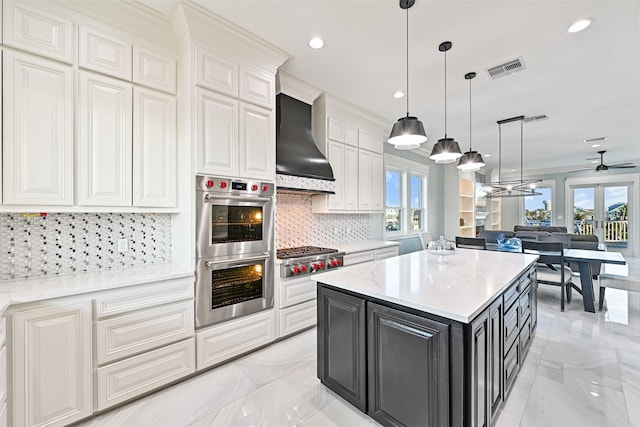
column 580, row 170
column 622, row 166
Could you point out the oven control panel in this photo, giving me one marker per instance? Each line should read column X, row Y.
column 310, row 265
column 234, row 186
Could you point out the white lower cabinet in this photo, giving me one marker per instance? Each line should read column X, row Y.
column 131, row 377
column 370, row 255
column 385, row 253
column 296, row 318
column 51, row 363
column 219, row 343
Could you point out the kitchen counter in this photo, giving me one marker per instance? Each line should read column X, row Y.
column 459, row 290
column 42, row 288
column 365, row 245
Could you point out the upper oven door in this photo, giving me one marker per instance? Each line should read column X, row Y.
column 229, row 225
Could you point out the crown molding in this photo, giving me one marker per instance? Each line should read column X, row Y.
column 296, row 88
column 340, row 107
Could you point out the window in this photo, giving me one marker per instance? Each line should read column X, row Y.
column 538, row 210
column 405, row 197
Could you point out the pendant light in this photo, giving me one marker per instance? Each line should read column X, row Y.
column 471, row 160
column 515, row 187
column 408, row 132
column 446, row 149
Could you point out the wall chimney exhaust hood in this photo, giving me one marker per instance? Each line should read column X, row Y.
column 300, row 166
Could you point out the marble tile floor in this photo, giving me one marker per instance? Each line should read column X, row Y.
column 582, row 369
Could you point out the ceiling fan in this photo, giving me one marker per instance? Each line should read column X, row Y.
column 602, row 167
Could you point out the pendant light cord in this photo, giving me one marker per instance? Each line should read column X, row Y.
column 407, row 62
column 499, row 154
column 469, row 114
column 521, row 145
column 445, row 94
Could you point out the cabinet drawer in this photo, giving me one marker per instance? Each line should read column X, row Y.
column 134, row 333
column 229, row 339
column 3, row 374
column 144, row 296
column 525, row 338
column 295, row 291
column 525, row 304
column 510, row 368
column 510, row 296
column 524, row 282
column 132, row 377
column 510, row 327
column 385, row 253
column 296, row 318
column 358, row 257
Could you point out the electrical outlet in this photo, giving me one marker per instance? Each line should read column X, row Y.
column 123, row 245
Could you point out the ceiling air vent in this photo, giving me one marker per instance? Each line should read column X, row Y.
column 507, row 68
column 536, row 118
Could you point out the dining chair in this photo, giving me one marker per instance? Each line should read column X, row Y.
column 471, row 243
column 552, row 269
column 492, row 236
column 425, row 238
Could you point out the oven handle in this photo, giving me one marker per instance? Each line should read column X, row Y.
column 246, row 261
column 208, row 198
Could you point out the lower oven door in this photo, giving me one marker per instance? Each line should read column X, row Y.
column 226, row 289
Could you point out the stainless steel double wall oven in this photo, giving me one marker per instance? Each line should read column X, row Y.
column 234, row 248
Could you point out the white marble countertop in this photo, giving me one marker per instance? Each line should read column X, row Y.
column 365, row 245
column 458, row 290
column 42, row 288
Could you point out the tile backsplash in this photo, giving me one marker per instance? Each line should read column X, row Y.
column 59, row 243
column 297, row 226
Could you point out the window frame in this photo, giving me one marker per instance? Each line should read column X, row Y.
column 549, row 183
column 407, row 169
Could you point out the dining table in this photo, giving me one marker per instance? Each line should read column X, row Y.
column 584, row 258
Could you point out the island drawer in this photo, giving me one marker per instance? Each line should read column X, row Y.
column 510, row 368
column 510, row 296
column 525, row 338
column 525, row 304
column 510, row 327
column 525, row 280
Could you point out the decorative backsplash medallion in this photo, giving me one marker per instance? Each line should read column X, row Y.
column 297, row 226
column 59, row 243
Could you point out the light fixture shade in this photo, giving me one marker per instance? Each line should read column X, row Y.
column 407, row 133
column 470, row 161
column 445, row 151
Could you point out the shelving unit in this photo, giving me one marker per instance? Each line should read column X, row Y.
column 495, row 214
column 467, row 196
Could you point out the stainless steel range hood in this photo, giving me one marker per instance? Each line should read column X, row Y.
column 300, row 166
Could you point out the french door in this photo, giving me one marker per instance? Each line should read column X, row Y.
column 606, row 210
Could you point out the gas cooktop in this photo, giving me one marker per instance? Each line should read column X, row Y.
column 303, row 251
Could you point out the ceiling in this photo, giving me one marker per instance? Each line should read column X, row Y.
column 587, row 83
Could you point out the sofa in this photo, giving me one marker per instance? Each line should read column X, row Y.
column 548, row 229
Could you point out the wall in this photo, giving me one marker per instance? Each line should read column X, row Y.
column 297, row 226
column 36, row 245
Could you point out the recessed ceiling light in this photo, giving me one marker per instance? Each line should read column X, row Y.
column 580, row 25
column 595, row 145
column 398, row 94
column 316, row 43
column 487, row 155
column 594, row 394
column 595, row 161
column 512, row 170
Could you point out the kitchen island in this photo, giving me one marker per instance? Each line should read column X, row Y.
column 412, row 342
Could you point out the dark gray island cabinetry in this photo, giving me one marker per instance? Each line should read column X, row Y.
column 401, row 351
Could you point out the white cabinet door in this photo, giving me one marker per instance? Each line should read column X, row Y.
column 257, row 142
column 350, row 135
column 52, row 364
column 257, row 87
column 154, row 148
column 335, row 129
column 38, row 32
column 154, row 70
column 370, row 141
column 104, row 54
column 215, row 73
column 336, row 157
column 37, row 130
column 217, row 139
column 105, row 145
column 370, row 181
column 351, row 195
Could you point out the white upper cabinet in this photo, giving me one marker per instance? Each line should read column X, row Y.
column 38, row 32
column 154, row 148
column 335, row 129
column 370, row 141
column 370, row 181
column 104, row 154
column 104, row 54
column 257, row 142
column 351, row 193
column 217, row 134
column 216, row 74
column 350, row 134
column 257, row 87
column 37, row 130
column 154, row 70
